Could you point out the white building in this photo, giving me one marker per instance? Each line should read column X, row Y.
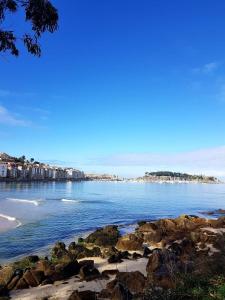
column 3, row 170
column 74, row 174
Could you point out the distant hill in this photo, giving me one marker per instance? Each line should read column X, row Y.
column 176, row 176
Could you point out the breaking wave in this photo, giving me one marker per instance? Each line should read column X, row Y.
column 70, row 200
column 11, row 219
column 34, row 202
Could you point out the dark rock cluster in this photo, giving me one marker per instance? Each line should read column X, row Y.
column 172, row 247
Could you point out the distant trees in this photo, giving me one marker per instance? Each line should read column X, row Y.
column 182, row 176
column 43, row 17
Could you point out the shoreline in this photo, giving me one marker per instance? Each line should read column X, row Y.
column 10, row 180
column 120, row 254
column 45, row 250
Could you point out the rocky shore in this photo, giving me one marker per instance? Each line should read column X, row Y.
column 181, row 258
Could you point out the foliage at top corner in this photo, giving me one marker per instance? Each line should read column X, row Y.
column 42, row 16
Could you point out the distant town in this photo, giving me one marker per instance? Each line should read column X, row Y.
column 23, row 169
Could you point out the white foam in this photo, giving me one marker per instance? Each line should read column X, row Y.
column 11, row 219
column 70, row 200
column 34, row 202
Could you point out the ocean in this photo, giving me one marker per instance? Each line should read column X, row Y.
column 41, row 213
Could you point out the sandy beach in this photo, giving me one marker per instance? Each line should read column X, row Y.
column 63, row 289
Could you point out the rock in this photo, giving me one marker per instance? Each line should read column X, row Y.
column 219, row 223
column 60, row 246
column 129, row 242
column 47, row 281
column 140, row 223
column 161, row 268
column 154, row 262
column 120, row 293
column 107, row 252
column 38, row 276
column 148, row 227
column 96, row 252
column 136, row 255
column 59, row 251
column 104, row 294
column 68, row 270
column 163, row 279
column 107, row 236
column 151, row 233
column 147, row 252
column 4, row 293
column 32, row 258
column 84, row 295
column 21, row 284
column 110, row 272
column 125, row 255
column 88, row 274
column 134, row 281
column 115, row 258
column 6, row 274
column 11, row 285
column 89, row 263
column 30, row 279
column 80, row 240
column 79, row 251
column 43, row 265
column 166, row 225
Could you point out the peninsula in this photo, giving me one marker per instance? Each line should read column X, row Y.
column 175, row 177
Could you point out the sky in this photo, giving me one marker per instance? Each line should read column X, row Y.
column 123, row 87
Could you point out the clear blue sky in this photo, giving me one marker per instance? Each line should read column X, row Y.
column 123, row 86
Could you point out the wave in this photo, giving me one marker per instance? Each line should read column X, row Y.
column 34, row 202
column 11, row 219
column 70, row 200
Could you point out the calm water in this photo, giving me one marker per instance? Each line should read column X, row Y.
column 50, row 216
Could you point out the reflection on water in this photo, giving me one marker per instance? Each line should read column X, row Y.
column 60, row 210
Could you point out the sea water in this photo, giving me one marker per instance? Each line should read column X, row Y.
column 43, row 213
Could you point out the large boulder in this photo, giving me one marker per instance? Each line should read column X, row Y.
column 107, row 236
column 43, row 266
column 130, row 242
column 133, row 281
column 161, row 268
column 68, row 270
column 30, row 279
column 80, row 251
column 151, row 233
column 59, row 250
column 11, row 285
column 21, row 284
column 89, row 273
column 6, row 274
column 166, row 225
column 121, row 293
column 39, row 276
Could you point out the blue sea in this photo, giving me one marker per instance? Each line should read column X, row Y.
column 47, row 212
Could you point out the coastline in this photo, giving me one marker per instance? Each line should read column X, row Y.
column 197, row 237
column 21, row 180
